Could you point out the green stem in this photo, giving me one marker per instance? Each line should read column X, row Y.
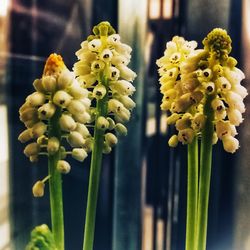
column 205, row 176
column 192, row 194
column 55, row 186
column 94, row 178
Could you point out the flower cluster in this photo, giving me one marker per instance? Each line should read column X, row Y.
column 41, row 238
column 57, row 110
column 103, row 70
column 199, row 76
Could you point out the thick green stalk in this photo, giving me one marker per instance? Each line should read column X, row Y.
column 205, row 175
column 55, row 186
column 192, row 194
column 94, row 178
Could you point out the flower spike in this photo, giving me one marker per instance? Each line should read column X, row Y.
column 103, row 70
column 59, row 95
column 189, row 76
column 202, row 91
column 55, row 111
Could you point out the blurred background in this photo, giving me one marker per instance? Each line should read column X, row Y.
column 142, row 201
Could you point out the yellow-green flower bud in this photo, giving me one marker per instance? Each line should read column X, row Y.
column 218, row 69
column 99, row 91
column 173, row 141
column 77, row 91
column 220, row 115
column 87, row 80
column 231, row 62
column 24, row 107
column 49, row 83
column 53, row 145
column 113, row 73
column 183, row 123
column 83, row 117
column 85, row 55
column 38, row 130
column 235, row 101
column 121, row 129
column 218, row 105
column 196, row 97
column 111, row 123
column 32, row 149
column 82, row 129
column 46, row 111
column 223, row 128
column 102, row 123
column 106, row 148
column 123, row 49
column 127, row 102
column 75, row 107
column 86, row 102
column 65, row 80
column 38, row 189
column 175, row 58
column 169, row 95
column 94, row 45
column 114, row 105
column 28, row 114
column 25, row 136
column 97, row 66
column 79, row 154
column 230, row 143
column 111, row 139
column 38, row 85
column 209, row 87
column 119, row 59
column 114, row 39
column 67, row 123
column 223, row 84
column 240, row 90
column 166, row 105
column 42, row 140
column 106, row 55
column 122, row 87
column 88, row 145
column 82, row 68
column 36, row 99
column 122, row 115
column 172, row 119
column 186, row 136
column 62, row 98
column 182, row 104
column 63, row 167
column 234, row 116
column 75, row 139
column 206, row 75
column 234, row 76
column 31, row 123
column 198, row 122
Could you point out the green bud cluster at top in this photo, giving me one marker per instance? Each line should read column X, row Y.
column 102, row 70
column 218, row 43
column 189, row 77
column 55, row 114
column 41, row 239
